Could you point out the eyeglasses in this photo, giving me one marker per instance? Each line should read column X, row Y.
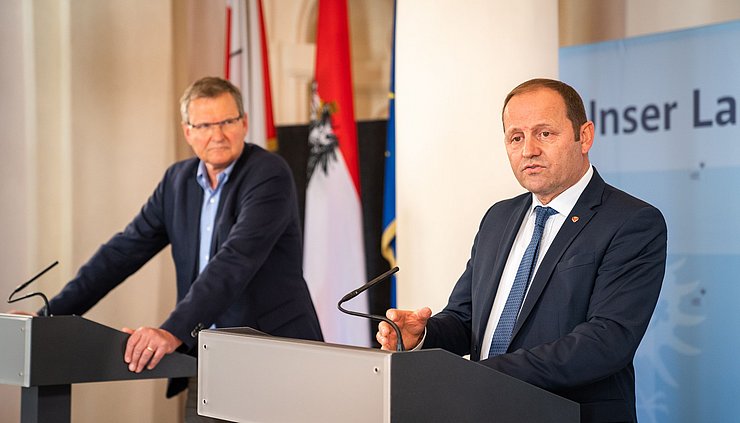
column 225, row 125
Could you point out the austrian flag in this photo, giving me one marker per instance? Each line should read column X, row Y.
column 334, row 256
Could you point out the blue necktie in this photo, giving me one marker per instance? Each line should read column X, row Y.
column 502, row 335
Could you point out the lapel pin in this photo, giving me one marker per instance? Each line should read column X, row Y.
column 574, row 219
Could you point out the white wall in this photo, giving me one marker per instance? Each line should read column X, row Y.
column 16, row 208
column 87, row 111
column 456, row 61
column 121, row 139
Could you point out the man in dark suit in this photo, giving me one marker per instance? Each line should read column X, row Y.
column 231, row 217
column 560, row 300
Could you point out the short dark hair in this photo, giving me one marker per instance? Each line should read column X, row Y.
column 209, row 87
column 574, row 109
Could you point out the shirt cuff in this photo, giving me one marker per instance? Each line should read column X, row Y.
column 420, row 345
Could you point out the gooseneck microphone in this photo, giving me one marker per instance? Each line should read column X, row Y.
column 46, row 311
column 363, row 288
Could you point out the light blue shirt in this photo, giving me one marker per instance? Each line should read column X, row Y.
column 208, row 210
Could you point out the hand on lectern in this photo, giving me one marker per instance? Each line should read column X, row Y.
column 23, row 313
column 146, row 346
column 411, row 323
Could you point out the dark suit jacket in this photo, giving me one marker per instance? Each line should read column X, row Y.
column 255, row 275
column 588, row 306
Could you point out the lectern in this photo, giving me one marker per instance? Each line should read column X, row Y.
column 45, row 355
column 250, row 377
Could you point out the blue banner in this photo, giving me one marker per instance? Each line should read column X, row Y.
column 666, row 118
column 388, row 238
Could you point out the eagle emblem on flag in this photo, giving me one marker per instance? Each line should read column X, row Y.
column 321, row 135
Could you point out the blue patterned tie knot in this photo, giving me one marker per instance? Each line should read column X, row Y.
column 502, row 334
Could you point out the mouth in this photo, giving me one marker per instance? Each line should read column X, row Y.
column 532, row 168
column 218, row 147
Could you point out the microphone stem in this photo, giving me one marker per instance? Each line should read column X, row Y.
column 25, row 284
column 399, row 343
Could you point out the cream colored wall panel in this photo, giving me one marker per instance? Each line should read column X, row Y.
column 646, row 17
column 122, row 101
column 17, row 208
column 455, row 64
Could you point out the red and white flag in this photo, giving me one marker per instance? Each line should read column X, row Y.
column 334, row 254
column 247, row 67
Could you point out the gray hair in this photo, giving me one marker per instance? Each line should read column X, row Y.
column 209, row 87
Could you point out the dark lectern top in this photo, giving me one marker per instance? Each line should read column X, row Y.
column 62, row 350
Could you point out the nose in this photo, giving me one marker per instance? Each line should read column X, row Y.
column 530, row 147
column 217, row 130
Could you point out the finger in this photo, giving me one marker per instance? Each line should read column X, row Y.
column 424, row 313
column 23, row 313
column 156, row 358
column 131, row 344
column 381, row 341
column 384, row 328
column 388, row 331
column 138, row 358
column 146, row 354
column 391, row 313
column 385, row 343
column 137, row 344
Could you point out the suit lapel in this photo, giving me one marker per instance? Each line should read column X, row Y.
column 224, row 214
column 193, row 205
column 585, row 209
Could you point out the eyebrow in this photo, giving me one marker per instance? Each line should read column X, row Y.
column 543, row 125
column 534, row 127
column 512, row 129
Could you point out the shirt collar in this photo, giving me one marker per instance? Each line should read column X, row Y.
column 202, row 175
column 565, row 202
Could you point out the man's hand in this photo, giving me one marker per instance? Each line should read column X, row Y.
column 411, row 323
column 146, row 346
column 23, row 313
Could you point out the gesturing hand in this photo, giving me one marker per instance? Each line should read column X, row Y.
column 411, row 323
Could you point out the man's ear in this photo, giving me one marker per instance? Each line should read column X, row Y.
column 186, row 131
column 587, row 137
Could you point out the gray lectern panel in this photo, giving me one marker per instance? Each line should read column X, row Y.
column 15, row 336
column 253, row 378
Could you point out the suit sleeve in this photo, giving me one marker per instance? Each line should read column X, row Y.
column 625, row 292
column 266, row 206
column 450, row 329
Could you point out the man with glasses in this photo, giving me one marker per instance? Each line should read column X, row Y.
column 231, row 217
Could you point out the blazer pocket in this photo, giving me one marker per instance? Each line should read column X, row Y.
column 575, row 261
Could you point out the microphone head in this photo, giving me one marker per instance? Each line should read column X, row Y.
column 368, row 285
